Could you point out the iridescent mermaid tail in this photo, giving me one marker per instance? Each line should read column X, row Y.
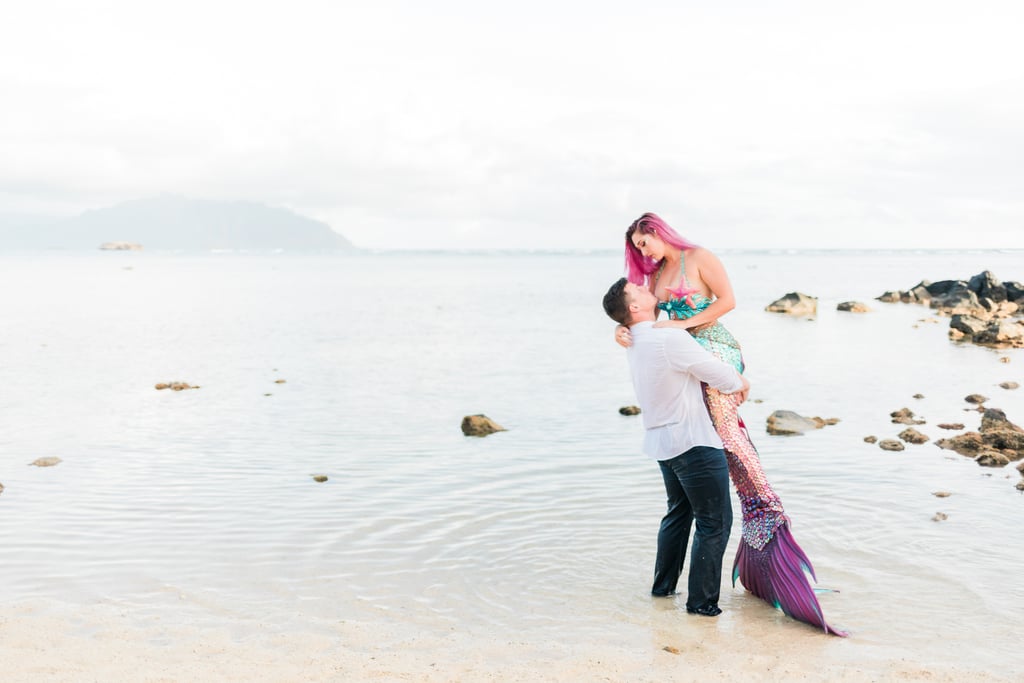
column 769, row 562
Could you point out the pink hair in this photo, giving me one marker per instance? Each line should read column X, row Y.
column 640, row 268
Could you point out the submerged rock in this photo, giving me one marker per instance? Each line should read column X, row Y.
column 788, row 423
column 480, row 425
column 905, row 416
column 629, row 410
column 911, row 435
column 794, row 303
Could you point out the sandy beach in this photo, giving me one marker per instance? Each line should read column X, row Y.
column 106, row 643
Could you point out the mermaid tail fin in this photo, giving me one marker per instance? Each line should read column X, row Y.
column 777, row 573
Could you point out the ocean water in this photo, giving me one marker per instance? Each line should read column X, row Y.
column 199, row 506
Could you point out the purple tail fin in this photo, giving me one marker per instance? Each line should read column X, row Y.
column 778, row 574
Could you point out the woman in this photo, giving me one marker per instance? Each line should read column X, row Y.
column 692, row 286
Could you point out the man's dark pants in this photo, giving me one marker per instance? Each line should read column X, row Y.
column 697, row 484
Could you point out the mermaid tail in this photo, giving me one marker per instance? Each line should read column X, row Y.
column 769, row 562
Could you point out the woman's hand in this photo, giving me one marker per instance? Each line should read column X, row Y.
column 622, row 336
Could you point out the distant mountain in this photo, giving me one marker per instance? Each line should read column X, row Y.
column 172, row 222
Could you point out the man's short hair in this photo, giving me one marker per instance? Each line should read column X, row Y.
column 615, row 304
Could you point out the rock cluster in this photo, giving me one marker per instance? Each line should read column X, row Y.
column 997, row 443
column 980, row 308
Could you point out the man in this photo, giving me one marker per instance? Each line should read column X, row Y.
column 668, row 368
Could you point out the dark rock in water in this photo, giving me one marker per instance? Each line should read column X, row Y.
column 853, row 307
column 992, row 459
column 940, row 517
column 968, row 324
column 950, row 425
column 986, row 285
column 975, row 398
column 794, row 303
column 1014, row 291
column 629, row 410
column 905, row 416
column 480, row 425
column 911, row 435
column 918, row 396
column 788, row 423
column 889, row 298
column 1009, row 385
column 320, row 478
column 890, row 445
column 870, row 439
column 1020, row 485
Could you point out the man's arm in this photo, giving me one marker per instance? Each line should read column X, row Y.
column 685, row 354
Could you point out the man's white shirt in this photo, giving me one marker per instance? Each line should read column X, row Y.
column 668, row 366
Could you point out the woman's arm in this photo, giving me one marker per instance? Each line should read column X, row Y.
column 712, row 273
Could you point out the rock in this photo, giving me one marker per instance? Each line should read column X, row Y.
column 950, row 425
column 175, row 386
column 794, row 303
column 853, row 307
column 940, row 517
column 975, row 398
column 1, row 488
column 1002, row 333
column 986, row 285
column 320, row 478
column 280, row 381
column 1014, row 291
column 1009, row 385
column 629, row 410
column 870, row 439
column 968, row 443
column 1004, row 359
column 788, row 423
column 918, row 395
column 911, row 435
column 992, row 459
column 1020, row 485
column 956, row 335
column 121, row 246
column 1020, row 468
column 890, row 445
column 670, row 649
column 994, row 420
column 959, row 299
column 480, row 425
column 905, row 416
column 46, row 462
column 889, row 298
column 968, row 325
column 941, row 494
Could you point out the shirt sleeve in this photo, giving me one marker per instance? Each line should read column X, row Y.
column 686, row 355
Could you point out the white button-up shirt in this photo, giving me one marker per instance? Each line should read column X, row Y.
column 668, row 366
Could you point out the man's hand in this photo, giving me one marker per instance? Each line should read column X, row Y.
column 622, row 336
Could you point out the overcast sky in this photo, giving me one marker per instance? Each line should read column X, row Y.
column 542, row 124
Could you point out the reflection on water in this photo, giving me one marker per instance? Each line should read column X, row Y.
column 204, row 500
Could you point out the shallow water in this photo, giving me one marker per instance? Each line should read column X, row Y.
column 199, row 506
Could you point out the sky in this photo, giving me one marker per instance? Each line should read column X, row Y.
column 535, row 124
